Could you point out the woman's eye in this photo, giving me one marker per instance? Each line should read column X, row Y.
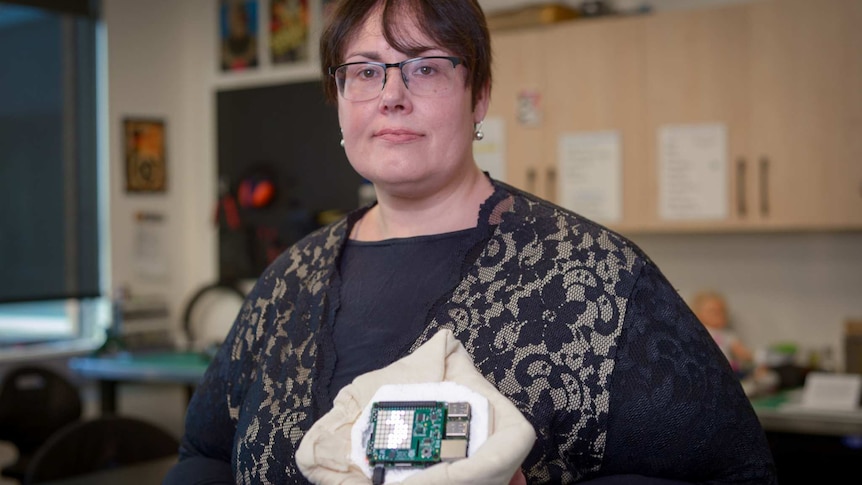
column 424, row 70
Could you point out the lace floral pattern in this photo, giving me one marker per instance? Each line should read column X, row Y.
column 541, row 315
column 570, row 321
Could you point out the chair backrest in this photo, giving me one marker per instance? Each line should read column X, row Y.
column 35, row 402
column 99, row 444
column 210, row 312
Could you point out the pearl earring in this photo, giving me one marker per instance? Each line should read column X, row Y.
column 477, row 131
column 342, row 137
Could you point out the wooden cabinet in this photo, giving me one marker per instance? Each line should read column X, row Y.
column 587, row 78
column 784, row 78
column 697, row 68
column 595, row 84
column 806, row 113
column 519, row 77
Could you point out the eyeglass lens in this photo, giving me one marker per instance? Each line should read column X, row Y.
column 431, row 77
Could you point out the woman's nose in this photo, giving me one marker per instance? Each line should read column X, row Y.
column 394, row 88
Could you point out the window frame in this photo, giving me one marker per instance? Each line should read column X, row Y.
column 71, row 325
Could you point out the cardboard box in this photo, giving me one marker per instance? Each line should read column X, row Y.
column 531, row 16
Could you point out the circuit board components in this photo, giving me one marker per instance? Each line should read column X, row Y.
column 417, row 433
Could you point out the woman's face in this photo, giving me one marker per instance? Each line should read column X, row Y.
column 408, row 146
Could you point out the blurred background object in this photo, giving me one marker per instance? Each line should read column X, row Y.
column 853, row 346
column 104, row 443
column 35, row 402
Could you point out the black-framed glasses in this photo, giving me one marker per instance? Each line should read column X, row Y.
column 431, row 76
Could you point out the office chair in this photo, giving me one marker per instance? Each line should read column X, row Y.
column 35, row 402
column 102, row 443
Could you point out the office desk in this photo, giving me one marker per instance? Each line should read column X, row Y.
column 110, row 370
column 810, row 445
column 148, row 473
column 781, row 412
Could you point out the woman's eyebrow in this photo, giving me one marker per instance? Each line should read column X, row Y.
column 373, row 55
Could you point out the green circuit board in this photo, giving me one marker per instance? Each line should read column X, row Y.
column 417, row 433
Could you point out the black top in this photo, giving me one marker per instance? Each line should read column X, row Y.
column 387, row 291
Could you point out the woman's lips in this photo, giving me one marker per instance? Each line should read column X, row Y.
column 397, row 135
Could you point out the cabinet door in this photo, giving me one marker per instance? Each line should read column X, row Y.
column 697, row 72
column 806, row 112
column 517, row 97
column 850, row 168
column 595, row 82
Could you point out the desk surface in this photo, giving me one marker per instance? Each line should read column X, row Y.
column 178, row 367
column 782, row 412
column 142, row 474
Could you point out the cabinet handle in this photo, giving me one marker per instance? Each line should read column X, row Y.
column 764, row 186
column 531, row 180
column 741, row 201
column 551, row 180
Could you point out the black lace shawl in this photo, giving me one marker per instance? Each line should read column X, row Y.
column 571, row 321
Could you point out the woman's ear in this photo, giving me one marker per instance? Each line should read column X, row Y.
column 483, row 99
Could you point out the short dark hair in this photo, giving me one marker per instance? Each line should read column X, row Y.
column 457, row 26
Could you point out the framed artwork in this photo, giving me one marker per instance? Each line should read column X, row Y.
column 144, row 142
column 238, row 34
column 289, row 25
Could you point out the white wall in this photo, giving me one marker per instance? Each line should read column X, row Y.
column 162, row 56
column 780, row 287
column 159, row 58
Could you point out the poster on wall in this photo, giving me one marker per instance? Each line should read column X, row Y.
column 289, row 25
column 150, row 255
column 238, row 34
column 144, row 141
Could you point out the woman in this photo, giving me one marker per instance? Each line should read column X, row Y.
column 572, row 322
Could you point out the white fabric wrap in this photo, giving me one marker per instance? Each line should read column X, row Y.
column 323, row 455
